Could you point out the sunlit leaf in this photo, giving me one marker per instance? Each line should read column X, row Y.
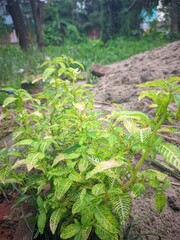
column 70, row 231
column 48, row 72
column 60, row 157
column 54, row 219
column 138, row 189
column 106, row 219
column 155, row 83
column 63, row 187
column 104, row 166
column 160, row 201
column 8, row 101
column 171, row 154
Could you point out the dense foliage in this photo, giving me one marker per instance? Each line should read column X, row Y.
column 77, row 166
column 56, row 19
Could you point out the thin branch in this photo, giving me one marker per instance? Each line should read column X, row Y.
column 175, row 184
column 129, row 8
column 169, row 138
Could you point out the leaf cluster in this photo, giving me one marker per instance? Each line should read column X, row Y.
column 76, row 167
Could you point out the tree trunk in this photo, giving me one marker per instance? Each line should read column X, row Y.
column 174, row 16
column 19, row 23
column 37, row 10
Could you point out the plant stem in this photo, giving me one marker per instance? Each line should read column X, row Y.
column 146, row 153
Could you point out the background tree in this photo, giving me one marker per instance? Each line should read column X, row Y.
column 14, row 10
column 37, row 11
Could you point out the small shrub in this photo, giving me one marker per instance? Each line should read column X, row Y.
column 76, row 166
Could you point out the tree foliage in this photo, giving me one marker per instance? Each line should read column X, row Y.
column 71, row 17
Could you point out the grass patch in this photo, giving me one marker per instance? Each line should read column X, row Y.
column 17, row 66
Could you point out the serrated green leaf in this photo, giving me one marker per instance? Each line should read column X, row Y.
column 103, row 234
column 171, row 154
column 160, row 201
column 63, row 187
column 19, row 163
column 86, row 232
column 177, row 99
column 17, row 133
column 152, row 94
column 80, row 106
column 15, row 153
column 83, row 165
column 176, row 89
column 73, row 155
column 75, row 177
column 140, row 134
column 48, row 72
column 70, row 231
column 154, row 174
column 78, row 236
column 40, row 203
column 24, row 142
column 32, row 160
column 87, row 217
column 45, row 145
column 37, row 79
column 8, row 101
column 104, row 166
column 98, row 189
column 136, row 115
column 173, row 79
column 2, row 116
column 54, row 219
column 106, row 219
column 4, row 172
column 60, row 157
column 154, row 183
column 77, row 206
column 155, row 83
column 91, row 151
column 122, row 205
column 138, row 189
column 41, row 222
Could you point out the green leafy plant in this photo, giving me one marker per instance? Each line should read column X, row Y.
column 77, row 166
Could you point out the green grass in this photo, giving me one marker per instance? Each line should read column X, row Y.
column 17, row 66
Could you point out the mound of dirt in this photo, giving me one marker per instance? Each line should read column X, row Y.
column 120, row 84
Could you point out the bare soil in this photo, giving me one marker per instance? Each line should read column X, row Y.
column 119, row 85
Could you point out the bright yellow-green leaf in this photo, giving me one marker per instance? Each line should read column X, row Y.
column 122, row 206
column 106, row 219
column 54, row 219
column 171, row 154
column 60, row 157
column 70, row 231
column 104, row 166
column 160, row 201
column 137, row 189
column 63, row 187
column 103, row 234
column 98, row 189
column 24, row 142
column 48, row 72
column 8, row 101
